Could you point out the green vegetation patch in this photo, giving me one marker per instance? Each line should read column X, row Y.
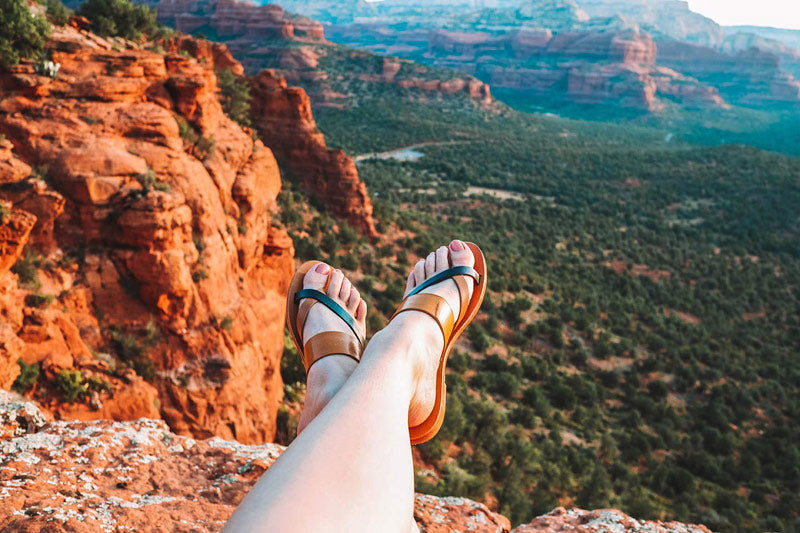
column 22, row 34
column 121, row 18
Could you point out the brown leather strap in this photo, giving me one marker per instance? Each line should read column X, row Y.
column 463, row 292
column 302, row 313
column 433, row 305
column 330, row 343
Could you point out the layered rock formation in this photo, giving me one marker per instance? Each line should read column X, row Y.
column 231, row 19
column 283, row 117
column 105, row 476
column 618, row 54
column 267, row 37
column 145, row 217
column 749, row 76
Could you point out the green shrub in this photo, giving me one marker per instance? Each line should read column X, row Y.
column 22, row 34
column 71, row 385
column 57, row 13
column 205, row 147
column 27, row 268
column 28, row 376
column 185, row 130
column 150, row 182
column 199, row 275
column 236, row 96
column 39, row 300
column 121, row 18
column 98, row 384
column 132, row 347
column 226, row 323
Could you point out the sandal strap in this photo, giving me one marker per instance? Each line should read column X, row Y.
column 449, row 273
column 331, row 304
column 463, row 292
column 330, row 343
column 434, row 306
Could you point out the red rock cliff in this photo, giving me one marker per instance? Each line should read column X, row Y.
column 150, row 211
column 284, row 120
column 229, row 19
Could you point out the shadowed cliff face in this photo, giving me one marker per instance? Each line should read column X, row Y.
column 144, row 214
column 140, row 475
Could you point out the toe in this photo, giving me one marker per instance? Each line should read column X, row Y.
column 316, row 277
column 461, row 255
column 430, row 265
column 344, row 292
column 361, row 311
column 353, row 300
column 442, row 259
column 410, row 283
column 336, row 283
column 419, row 271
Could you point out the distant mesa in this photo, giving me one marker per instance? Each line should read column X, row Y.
column 615, row 53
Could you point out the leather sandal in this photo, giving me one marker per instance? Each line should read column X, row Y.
column 299, row 304
column 451, row 326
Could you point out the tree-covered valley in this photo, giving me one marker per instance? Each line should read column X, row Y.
column 638, row 348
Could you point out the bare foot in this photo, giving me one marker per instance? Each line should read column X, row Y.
column 427, row 362
column 327, row 375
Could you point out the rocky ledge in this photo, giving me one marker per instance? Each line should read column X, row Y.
column 108, row 476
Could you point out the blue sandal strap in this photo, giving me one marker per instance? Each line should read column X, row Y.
column 447, row 274
column 331, row 304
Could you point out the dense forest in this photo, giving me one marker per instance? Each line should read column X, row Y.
column 638, row 346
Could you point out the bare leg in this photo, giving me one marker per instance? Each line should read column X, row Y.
column 351, row 469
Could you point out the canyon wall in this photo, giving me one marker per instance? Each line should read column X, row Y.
column 630, row 54
column 139, row 219
column 284, row 120
column 268, row 37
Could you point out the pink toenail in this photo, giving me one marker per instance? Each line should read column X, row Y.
column 322, row 268
column 457, row 246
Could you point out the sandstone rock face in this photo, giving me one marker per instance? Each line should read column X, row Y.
column 108, row 476
column 578, row 520
column 247, row 30
column 149, row 211
column 444, row 515
column 632, row 54
column 282, row 114
column 232, row 19
column 283, row 117
column 750, row 76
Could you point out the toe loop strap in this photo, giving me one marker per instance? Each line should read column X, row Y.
column 331, row 343
column 331, row 304
column 434, row 306
column 449, row 273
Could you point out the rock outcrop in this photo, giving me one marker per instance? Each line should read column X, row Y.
column 232, row 19
column 153, row 281
column 282, row 115
column 619, row 53
column 749, row 76
column 107, row 476
column 578, row 520
column 267, row 37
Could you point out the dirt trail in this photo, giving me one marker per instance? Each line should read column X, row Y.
column 406, row 153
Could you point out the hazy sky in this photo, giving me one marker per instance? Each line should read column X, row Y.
column 777, row 13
